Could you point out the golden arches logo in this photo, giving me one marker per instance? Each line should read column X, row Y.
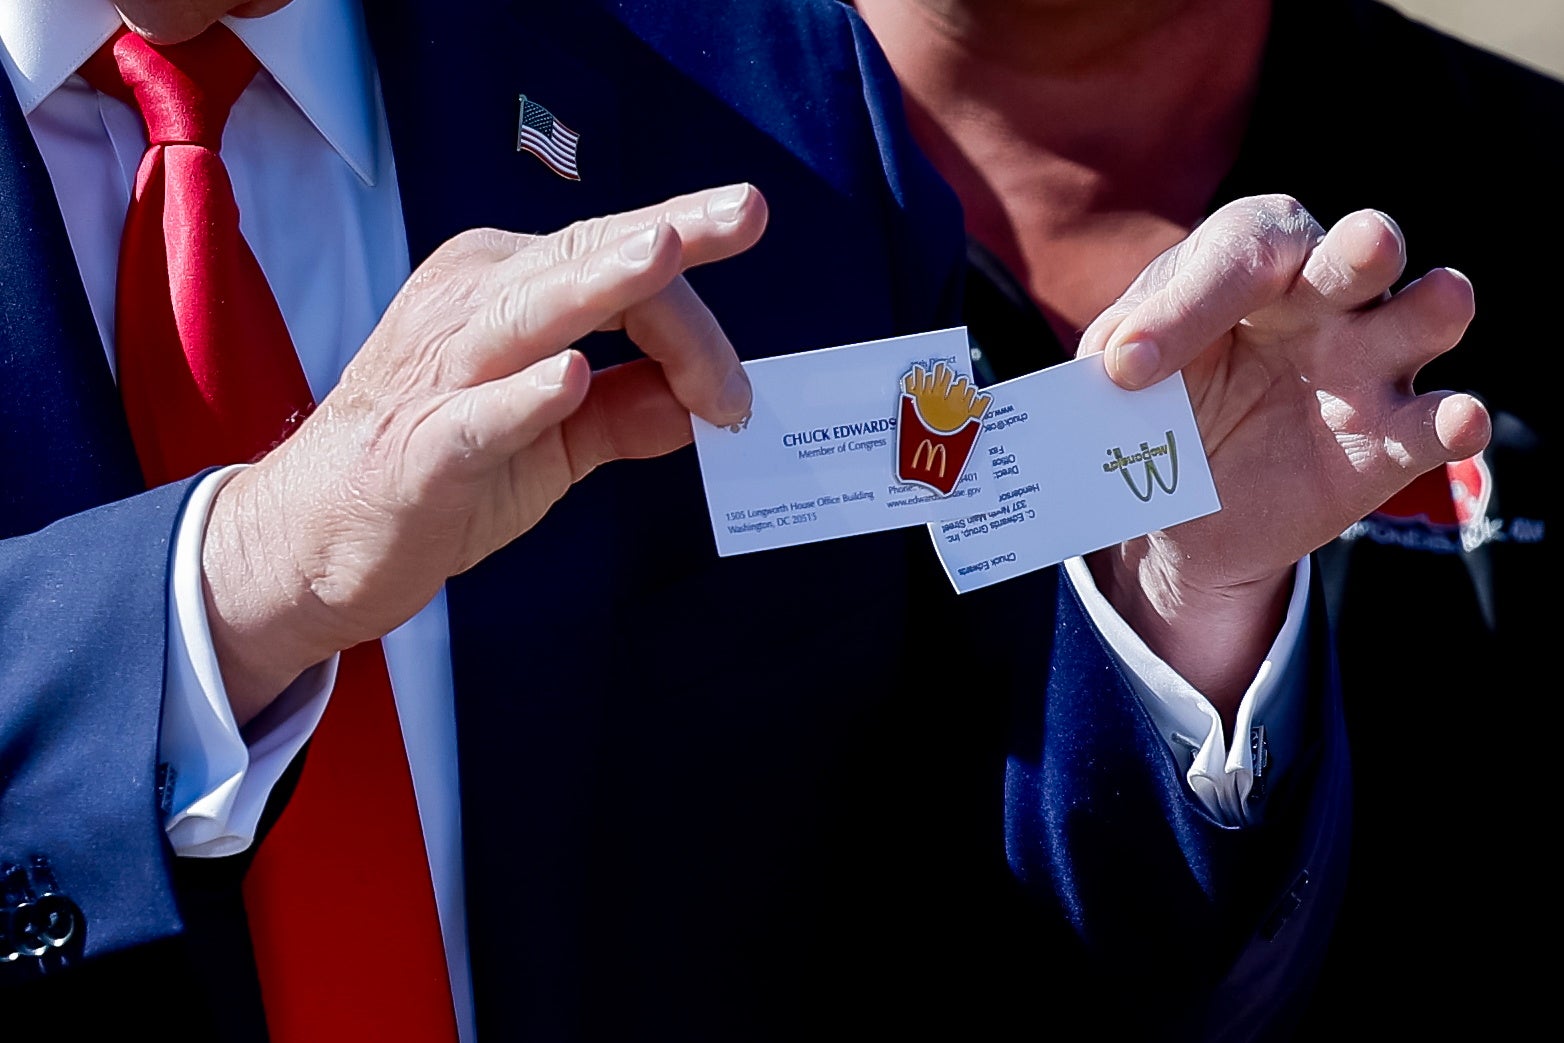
column 1147, row 456
column 927, row 448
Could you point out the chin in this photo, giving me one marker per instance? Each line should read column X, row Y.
column 165, row 22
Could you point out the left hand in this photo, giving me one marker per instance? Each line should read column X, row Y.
column 1299, row 364
column 461, row 420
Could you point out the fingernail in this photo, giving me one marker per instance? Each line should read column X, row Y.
column 1391, row 226
column 551, row 371
column 639, row 246
column 725, row 205
column 736, row 394
column 1135, row 362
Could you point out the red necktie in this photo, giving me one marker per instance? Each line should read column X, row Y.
column 209, row 376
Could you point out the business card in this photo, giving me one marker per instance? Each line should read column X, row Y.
column 1077, row 463
column 848, row 440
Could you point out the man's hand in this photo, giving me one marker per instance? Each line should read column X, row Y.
column 1299, row 364
column 463, row 418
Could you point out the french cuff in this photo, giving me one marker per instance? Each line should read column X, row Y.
column 1223, row 780
column 215, row 779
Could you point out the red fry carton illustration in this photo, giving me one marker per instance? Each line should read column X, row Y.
column 941, row 415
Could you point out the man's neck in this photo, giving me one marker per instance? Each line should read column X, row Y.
column 1083, row 136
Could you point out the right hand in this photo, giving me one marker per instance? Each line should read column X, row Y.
column 1299, row 363
column 461, row 420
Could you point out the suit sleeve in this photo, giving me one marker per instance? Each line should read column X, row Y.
column 1101, row 828
column 83, row 609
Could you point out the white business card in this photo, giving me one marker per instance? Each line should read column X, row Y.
column 854, row 439
column 1077, row 463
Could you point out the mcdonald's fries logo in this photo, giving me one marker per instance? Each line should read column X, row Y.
column 941, row 415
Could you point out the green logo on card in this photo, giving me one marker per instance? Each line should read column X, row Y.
column 1149, row 455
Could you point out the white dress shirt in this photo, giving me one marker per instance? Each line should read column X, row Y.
column 309, row 156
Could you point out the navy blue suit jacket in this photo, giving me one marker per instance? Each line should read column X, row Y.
column 805, row 791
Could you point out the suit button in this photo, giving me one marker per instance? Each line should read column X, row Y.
column 46, row 928
column 40, row 926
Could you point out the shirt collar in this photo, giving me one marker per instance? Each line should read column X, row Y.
column 316, row 50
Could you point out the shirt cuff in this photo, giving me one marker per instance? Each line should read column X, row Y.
column 215, row 779
column 1223, row 780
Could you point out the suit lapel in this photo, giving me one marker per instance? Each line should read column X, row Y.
column 452, row 77
column 64, row 444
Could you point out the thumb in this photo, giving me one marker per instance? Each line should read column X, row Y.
column 1245, row 256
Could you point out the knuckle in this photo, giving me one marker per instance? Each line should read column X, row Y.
column 578, row 239
column 1274, row 242
column 1283, row 215
column 589, row 440
column 468, row 443
column 1270, row 259
column 706, row 332
column 477, row 242
column 513, row 309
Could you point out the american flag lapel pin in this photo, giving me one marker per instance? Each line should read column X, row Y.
column 538, row 132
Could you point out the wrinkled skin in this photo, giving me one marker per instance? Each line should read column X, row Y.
column 461, row 420
column 1299, row 365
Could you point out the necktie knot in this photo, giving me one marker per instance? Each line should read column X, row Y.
column 207, row 369
column 183, row 91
